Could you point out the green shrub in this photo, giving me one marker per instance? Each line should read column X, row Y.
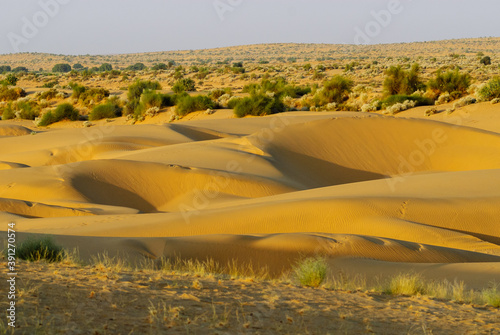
column 27, row 110
column 486, row 60
column 136, row 67
column 78, row 66
column 452, row 81
column 136, row 89
column 105, row 67
column 311, row 271
column 50, row 84
column 61, row 68
column 159, row 66
column 153, row 99
column 20, row 69
column 77, row 90
column 10, row 80
column 335, row 90
column 8, row 112
column 48, row 95
column 400, row 81
column 278, row 86
column 63, row 111
column 40, row 249
column 5, row 68
column 258, row 105
column 186, row 104
column 108, row 110
column 491, row 90
column 184, row 85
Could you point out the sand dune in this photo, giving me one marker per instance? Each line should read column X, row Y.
column 383, row 192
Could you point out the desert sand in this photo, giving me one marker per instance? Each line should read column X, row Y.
column 368, row 191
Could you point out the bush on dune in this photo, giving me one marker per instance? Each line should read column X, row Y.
column 491, row 90
column 258, row 105
column 452, row 81
column 402, row 82
column 187, row 104
column 108, row 110
column 62, row 112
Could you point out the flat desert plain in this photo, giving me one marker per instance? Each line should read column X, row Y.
column 374, row 195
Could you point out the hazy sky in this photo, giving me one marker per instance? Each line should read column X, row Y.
column 127, row 26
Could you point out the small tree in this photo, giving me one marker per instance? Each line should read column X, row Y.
column 5, row 68
column 77, row 66
column 137, row 67
column 61, row 68
column 452, row 81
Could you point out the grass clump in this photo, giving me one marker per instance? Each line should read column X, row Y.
column 491, row 90
column 258, row 105
column 187, row 104
column 492, row 295
column 108, row 110
column 406, row 284
column 63, row 111
column 40, row 249
column 311, row 271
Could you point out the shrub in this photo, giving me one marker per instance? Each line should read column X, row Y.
column 311, row 271
column 401, row 98
column 160, row 66
column 187, row 104
column 136, row 67
column 278, row 86
column 399, row 81
column 491, row 90
column 486, row 60
column 258, row 105
column 105, row 67
column 63, row 111
column 20, row 69
column 10, row 80
column 50, row 84
column 77, row 66
column 61, row 68
column 184, row 85
column 11, row 94
column 48, row 95
column 5, row 68
column 153, row 99
column 94, row 95
column 136, row 89
column 26, row 110
column 8, row 112
column 335, row 90
column 40, row 249
column 108, row 110
column 452, row 81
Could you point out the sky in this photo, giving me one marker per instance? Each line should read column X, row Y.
column 80, row 27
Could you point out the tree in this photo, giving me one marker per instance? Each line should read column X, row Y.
column 77, row 66
column 5, row 68
column 61, row 68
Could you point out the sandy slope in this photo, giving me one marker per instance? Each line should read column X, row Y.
column 375, row 194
